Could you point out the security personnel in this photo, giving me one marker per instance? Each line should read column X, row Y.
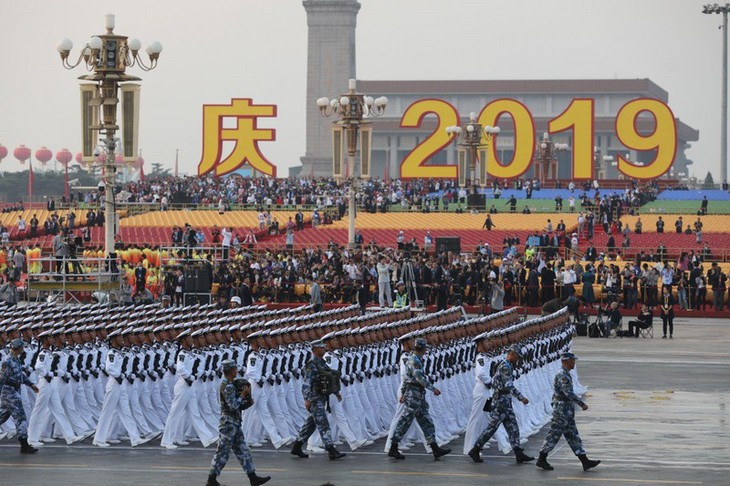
column 401, row 296
column 230, row 432
column 563, row 423
column 413, row 397
column 12, row 377
column 502, row 412
column 315, row 401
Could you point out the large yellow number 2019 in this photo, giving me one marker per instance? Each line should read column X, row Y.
column 663, row 139
column 413, row 165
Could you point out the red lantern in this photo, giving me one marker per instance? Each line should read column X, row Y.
column 79, row 157
column 22, row 153
column 3, row 152
column 43, row 155
column 119, row 159
column 63, row 156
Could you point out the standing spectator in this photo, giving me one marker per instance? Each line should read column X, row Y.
column 315, row 294
column 140, row 278
column 703, row 205
column 21, row 226
column 682, row 291
column 227, row 236
column 59, row 250
column 569, row 279
column 714, row 280
column 489, row 224
column 497, row 301
column 667, row 312
column 678, row 225
column 428, row 241
column 667, row 276
column 660, row 225
column 290, row 236
column 384, row 268
column 588, row 278
column 221, row 206
column 299, row 218
column 179, row 287
column 34, row 226
column 547, row 282
column 698, row 230
column 701, row 285
column 19, row 260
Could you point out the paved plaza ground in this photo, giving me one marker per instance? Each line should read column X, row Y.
column 658, row 415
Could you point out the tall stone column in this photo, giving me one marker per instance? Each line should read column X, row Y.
column 330, row 64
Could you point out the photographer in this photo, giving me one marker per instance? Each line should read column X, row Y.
column 235, row 396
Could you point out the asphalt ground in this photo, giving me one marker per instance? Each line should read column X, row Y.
column 658, row 415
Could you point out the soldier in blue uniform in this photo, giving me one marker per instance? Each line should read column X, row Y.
column 12, row 377
column 315, row 400
column 502, row 412
column 413, row 396
column 563, row 423
column 231, row 437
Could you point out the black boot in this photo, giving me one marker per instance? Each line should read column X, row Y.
column 296, row 450
column 437, row 451
column 521, row 457
column 26, row 448
column 394, row 452
column 587, row 463
column 474, row 454
column 542, row 462
column 334, row 453
column 258, row 480
column 213, row 480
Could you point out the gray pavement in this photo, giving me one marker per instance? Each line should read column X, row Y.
column 658, row 415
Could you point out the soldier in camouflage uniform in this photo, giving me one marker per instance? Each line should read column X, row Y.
column 231, row 434
column 502, row 412
column 563, row 423
column 315, row 400
column 413, row 396
column 12, row 377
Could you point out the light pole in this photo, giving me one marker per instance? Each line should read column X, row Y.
column 547, row 153
column 108, row 56
column 469, row 137
column 353, row 108
column 722, row 9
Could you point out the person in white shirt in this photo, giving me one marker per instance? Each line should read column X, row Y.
column 384, row 268
column 227, row 234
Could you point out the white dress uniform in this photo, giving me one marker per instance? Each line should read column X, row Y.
column 116, row 409
column 48, row 408
column 185, row 409
column 259, row 393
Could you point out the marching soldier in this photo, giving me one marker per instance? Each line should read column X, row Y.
column 233, row 401
column 12, row 377
column 316, row 394
column 563, row 423
column 502, row 412
column 413, row 397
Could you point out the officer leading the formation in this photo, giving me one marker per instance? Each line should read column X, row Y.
column 563, row 422
column 12, row 377
column 413, row 396
column 316, row 389
column 235, row 396
column 502, row 412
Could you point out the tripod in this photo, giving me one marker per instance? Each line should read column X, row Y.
column 409, row 279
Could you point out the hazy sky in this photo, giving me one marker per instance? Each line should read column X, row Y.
column 217, row 50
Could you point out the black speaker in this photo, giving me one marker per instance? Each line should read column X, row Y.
column 196, row 299
column 478, row 200
column 581, row 328
column 448, row 243
column 197, row 281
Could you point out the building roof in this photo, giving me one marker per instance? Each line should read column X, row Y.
column 513, row 86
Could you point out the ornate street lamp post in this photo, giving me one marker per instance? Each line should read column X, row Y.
column 108, row 56
column 353, row 109
column 471, row 138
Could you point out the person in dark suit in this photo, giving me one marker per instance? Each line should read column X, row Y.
column 244, row 291
column 667, row 312
column 140, row 278
column 643, row 321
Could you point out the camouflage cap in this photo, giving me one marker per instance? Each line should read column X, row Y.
column 228, row 364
